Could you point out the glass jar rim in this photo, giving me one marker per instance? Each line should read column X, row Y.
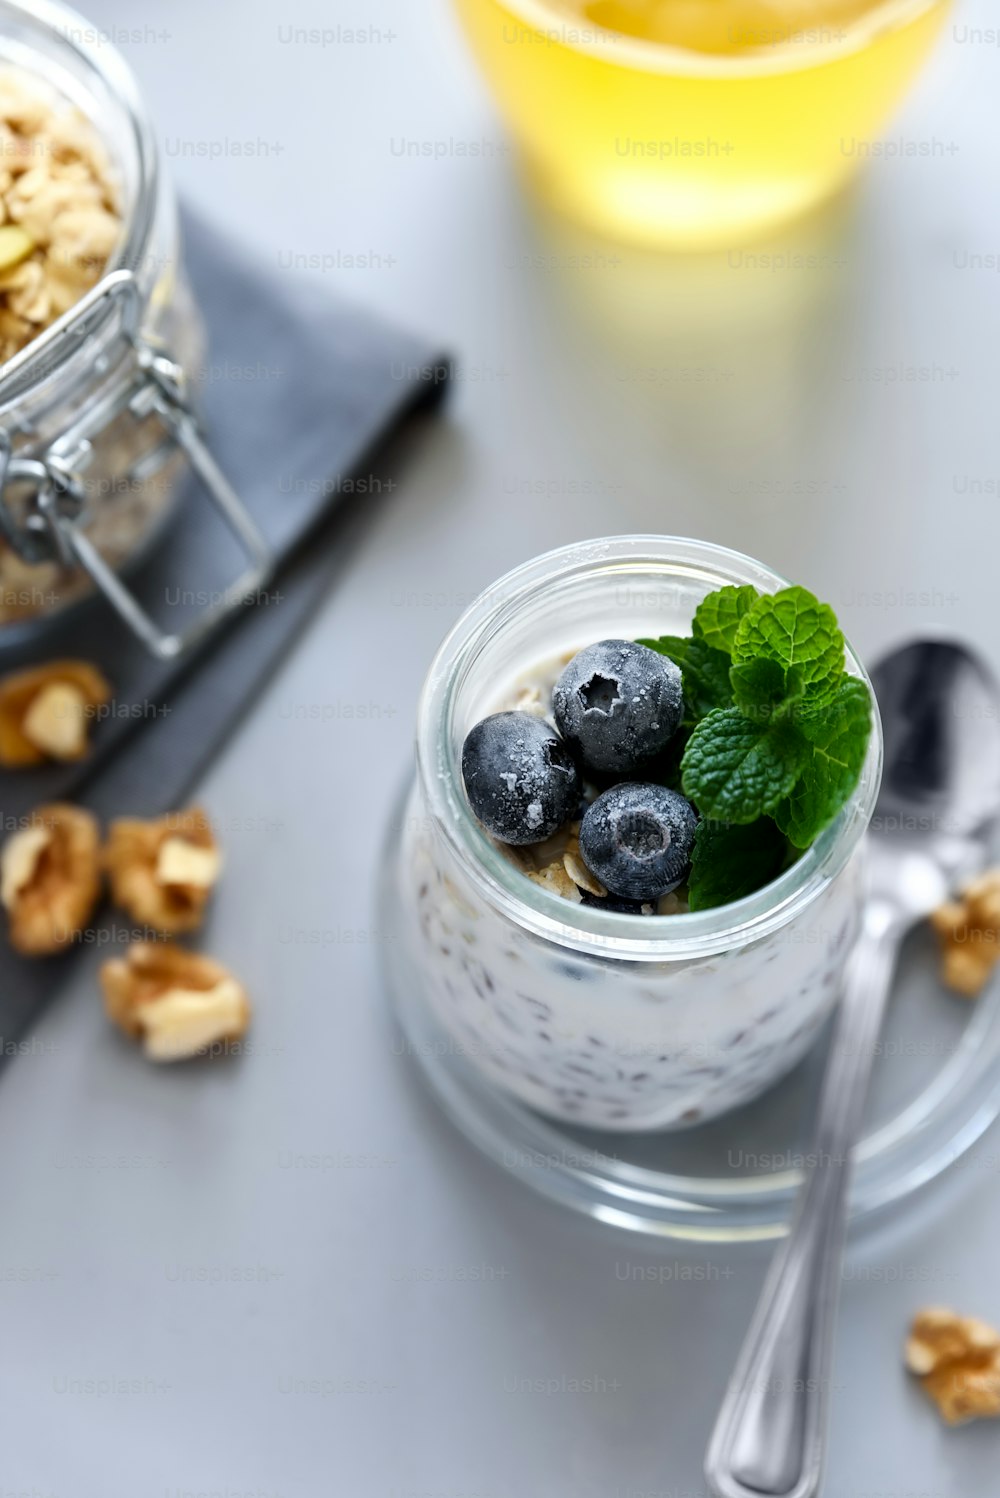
column 659, row 57
column 530, row 905
column 81, row 39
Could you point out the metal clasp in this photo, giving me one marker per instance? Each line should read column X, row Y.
column 56, row 504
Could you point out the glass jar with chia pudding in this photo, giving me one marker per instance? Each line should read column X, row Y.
column 592, row 1010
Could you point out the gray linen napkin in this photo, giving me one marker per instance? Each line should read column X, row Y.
column 329, row 386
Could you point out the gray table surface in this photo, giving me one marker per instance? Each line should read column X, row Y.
column 257, row 1278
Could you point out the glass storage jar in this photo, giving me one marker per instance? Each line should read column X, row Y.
column 597, row 1018
column 95, row 414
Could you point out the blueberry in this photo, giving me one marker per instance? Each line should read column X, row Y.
column 637, row 839
column 618, row 705
column 522, row 781
column 611, row 902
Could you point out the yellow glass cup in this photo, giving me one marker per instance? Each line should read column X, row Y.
column 699, row 123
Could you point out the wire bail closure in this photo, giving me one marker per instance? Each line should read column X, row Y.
column 55, row 503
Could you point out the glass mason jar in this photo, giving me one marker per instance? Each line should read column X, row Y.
column 608, row 1020
column 95, row 416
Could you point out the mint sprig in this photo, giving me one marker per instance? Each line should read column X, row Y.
column 730, row 861
column 796, row 735
column 718, row 617
column 761, row 687
column 777, row 733
column 704, row 673
column 737, row 769
column 798, row 633
column 837, row 742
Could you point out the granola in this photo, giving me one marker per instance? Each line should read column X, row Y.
column 554, row 876
column 60, row 221
column 60, row 217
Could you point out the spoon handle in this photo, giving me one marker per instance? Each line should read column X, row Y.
column 769, row 1435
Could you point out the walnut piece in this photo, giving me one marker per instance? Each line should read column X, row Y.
column 20, row 859
column 50, row 878
column 957, row 1359
column 45, row 712
column 185, row 864
column 968, row 931
column 176, row 1002
column 163, row 872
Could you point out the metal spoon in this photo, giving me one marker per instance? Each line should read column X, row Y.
column 939, row 798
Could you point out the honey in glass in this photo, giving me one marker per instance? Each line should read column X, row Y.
column 698, row 123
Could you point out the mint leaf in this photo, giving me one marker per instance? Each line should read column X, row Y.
column 736, row 770
column 772, row 725
column 716, row 618
column 836, row 742
column 848, row 712
column 794, row 629
column 704, row 672
column 760, row 687
column 729, row 862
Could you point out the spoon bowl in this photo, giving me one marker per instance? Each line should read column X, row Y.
column 940, row 706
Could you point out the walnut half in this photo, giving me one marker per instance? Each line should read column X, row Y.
column 968, row 931
column 176, row 1002
column 163, row 872
column 957, row 1359
column 50, row 878
column 45, row 712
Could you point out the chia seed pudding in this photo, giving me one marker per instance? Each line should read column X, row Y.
column 619, row 1015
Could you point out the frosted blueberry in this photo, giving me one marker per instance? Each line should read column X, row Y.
column 611, row 902
column 637, row 840
column 618, row 704
column 521, row 780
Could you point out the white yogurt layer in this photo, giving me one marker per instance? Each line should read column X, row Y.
column 611, row 1044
